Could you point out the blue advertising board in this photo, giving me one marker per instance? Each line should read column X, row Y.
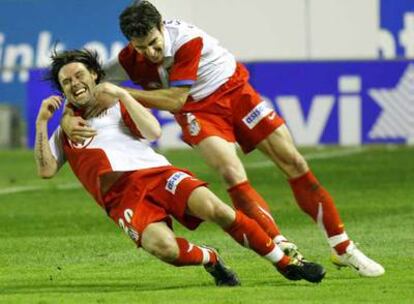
column 345, row 103
column 397, row 18
column 29, row 30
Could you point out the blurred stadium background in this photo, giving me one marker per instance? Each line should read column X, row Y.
column 341, row 73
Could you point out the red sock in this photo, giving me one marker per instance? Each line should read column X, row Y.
column 317, row 202
column 249, row 234
column 247, row 200
column 191, row 254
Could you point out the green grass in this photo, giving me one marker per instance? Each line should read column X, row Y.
column 57, row 246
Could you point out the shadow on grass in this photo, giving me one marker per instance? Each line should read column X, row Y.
column 151, row 286
column 73, row 288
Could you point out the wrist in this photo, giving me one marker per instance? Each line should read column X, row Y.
column 133, row 92
column 124, row 96
column 41, row 122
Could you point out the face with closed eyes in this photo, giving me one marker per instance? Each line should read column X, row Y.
column 77, row 83
column 151, row 46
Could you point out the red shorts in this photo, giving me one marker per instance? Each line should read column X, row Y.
column 142, row 197
column 235, row 112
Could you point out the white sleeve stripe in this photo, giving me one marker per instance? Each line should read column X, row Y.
column 56, row 147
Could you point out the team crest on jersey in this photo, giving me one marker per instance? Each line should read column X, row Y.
column 193, row 125
column 257, row 114
column 174, row 180
column 80, row 145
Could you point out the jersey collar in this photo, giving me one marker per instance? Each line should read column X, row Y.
column 167, row 43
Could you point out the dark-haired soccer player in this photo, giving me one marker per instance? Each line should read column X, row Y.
column 184, row 70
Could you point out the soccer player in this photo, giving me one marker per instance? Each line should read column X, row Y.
column 185, row 71
column 138, row 188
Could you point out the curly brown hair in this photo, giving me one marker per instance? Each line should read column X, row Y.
column 89, row 58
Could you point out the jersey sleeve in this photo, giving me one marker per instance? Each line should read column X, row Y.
column 55, row 143
column 129, row 122
column 186, row 61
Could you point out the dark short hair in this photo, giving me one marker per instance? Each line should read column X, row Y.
column 59, row 59
column 138, row 19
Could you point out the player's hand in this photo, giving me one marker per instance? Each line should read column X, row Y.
column 49, row 107
column 105, row 96
column 76, row 128
column 106, row 88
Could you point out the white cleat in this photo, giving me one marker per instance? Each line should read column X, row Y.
column 355, row 259
column 290, row 249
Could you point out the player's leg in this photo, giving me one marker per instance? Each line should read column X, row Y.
column 141, row 212
column 207, row 126
column 203, row 204
column 313, row 198
column 221, row 155
column 159, row 240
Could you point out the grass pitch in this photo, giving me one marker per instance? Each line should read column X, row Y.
column 57, row 245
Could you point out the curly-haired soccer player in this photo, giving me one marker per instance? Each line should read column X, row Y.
column 137, row 187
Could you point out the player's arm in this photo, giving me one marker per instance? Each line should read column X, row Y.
column 46, row 163
column 172, row 99
column 143, row 119
column 75, row 127
column 182, row 76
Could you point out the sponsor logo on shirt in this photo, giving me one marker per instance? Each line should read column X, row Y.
column 174, row 180
column 256, row 115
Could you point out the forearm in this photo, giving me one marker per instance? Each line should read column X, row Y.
column 67, row 115
column 146, row 123
column 45, row 162
column 171, row 99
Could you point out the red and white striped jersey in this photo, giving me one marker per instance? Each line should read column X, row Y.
column 117, row 147
column 191, row 58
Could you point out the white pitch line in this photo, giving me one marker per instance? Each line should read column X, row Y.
column 20, row 189
column 261, row 164
column 310, row 156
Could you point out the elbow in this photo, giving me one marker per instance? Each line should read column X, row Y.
column 158, row 132
column 154, row 134
column 178, row 101
column 45, row 174
column 177, row 105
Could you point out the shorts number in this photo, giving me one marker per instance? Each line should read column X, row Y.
column 128, row 214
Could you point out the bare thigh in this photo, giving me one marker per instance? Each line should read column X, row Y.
column 221, row 155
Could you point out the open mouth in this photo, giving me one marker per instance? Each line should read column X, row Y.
column 79, row 92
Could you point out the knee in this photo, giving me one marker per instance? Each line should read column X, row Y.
column 166, row 249
column 300, row 164
column 295, row 164
column 232, row 174
column 220, row 213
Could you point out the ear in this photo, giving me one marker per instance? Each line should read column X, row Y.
column 94, row 75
